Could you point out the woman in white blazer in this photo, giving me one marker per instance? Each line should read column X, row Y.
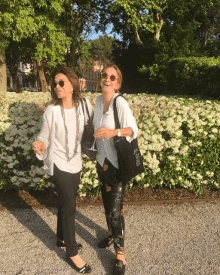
column 59, row 146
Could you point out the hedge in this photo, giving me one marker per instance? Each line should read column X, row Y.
column 178, row 138
column 194, row 76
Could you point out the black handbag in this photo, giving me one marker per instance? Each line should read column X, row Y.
column 129, row 157
column 87, row 138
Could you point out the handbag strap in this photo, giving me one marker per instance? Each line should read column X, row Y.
column 83, row 102
column 117, row 124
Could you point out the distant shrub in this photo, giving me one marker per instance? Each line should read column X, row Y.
column 193, row 76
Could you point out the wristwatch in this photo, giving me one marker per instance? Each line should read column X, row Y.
column 119, row 133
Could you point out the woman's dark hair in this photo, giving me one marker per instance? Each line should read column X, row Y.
column 74, row 80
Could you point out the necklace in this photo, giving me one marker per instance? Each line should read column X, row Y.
column 66, row 134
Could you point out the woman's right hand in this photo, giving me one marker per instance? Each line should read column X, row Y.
column 39, row 147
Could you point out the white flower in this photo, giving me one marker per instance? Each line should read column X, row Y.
column 14, row 179
column 9, row 159
column 171, row 157
column 10, row 165
column 212, row 136
column 87, row 174
column 214, row 130
column 96, row 182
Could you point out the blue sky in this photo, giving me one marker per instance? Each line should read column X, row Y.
column 96, row 35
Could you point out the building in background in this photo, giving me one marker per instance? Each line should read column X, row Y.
column 89, row 81
column 25, row 78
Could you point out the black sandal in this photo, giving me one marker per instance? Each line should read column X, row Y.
column 85, row 269
column 119, row 268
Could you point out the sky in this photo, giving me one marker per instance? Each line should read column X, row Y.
column 96, row 35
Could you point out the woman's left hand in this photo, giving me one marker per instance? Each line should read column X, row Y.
column 105, row 133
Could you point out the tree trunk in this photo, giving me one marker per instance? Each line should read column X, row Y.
column 158, row 19
column 138, row 41
column 100, row 69
column 73, row 47
column 15, row 84
column 73, row 57
column 35, row 77
column 3, row 74
column 42, row 78
column 74, row 30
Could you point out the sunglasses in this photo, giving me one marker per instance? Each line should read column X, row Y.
column 61, row 83
column 105, row 75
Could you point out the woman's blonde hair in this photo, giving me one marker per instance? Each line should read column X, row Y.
column 117, row 70
column 74, row 80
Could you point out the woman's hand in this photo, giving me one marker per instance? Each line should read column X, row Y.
column 39, row 147
column 105, row 133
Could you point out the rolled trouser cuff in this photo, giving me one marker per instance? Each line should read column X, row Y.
column 71, row 250
column 119, row 245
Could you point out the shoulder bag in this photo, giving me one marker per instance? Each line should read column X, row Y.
column 129, row 157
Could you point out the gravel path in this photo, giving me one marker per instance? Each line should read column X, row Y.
column 160, row 239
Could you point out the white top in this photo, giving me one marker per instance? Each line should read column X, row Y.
column 60, row 157
column 53, row 135
column 106, row 147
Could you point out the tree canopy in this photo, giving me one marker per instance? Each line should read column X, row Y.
column 153, row 32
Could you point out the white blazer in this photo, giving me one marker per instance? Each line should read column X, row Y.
column 47, row 133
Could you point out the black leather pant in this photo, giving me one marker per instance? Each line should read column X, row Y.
column 112, row 195
column 66, row 185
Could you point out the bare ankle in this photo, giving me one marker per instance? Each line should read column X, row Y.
column 121, row 258
column 78, row 261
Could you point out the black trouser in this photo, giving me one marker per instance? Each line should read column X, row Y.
column 66, row 185
column 112, row 195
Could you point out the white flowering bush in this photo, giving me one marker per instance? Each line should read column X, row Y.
column 20, row 122
column 178, row 139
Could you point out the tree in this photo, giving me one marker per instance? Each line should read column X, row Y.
column 129, row 17
column 56, row 29
column 22, row 19
column 101, row 49
column 191, row 28
column 77, row 19
column 15, row 53
column 164, row 30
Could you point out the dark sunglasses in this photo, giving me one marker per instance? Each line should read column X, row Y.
column 105, row 75
column 61, row 83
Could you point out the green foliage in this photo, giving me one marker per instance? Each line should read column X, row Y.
column 101, row 48
column 190, row 28
column 38, row 21
column 194, row 76
column 176, row 41
column 139, row 14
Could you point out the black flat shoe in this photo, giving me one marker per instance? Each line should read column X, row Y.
column 106, row 242
column 85, row 269
column 60, row 243
column 119, row 268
